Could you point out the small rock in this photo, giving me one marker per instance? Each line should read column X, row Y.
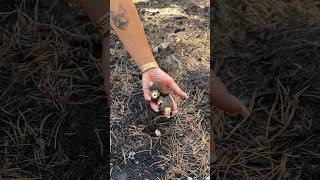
column 157, row 132
column 171, row 65
column 172, row 35
column 164, row 45
column 155, row 50
column 131, row 155
column 189, row 178
column 159, row 48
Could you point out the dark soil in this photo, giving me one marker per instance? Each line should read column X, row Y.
column 183, row 148
column 268, row 52
column 53, row 113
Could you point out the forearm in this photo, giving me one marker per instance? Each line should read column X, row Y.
column 95, row 8
column 221, row 98
column 97, row 11
column 126, row 23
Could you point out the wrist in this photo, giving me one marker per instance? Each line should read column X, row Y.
column 149, row 66
column 150, row 70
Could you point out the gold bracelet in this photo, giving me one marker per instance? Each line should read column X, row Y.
column 148, row 66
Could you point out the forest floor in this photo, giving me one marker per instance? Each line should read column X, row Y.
column 53, row 109
column 268, row 54
column 183, row 148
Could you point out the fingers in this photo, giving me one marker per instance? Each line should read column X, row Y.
column 174, row 106
column 146, row 96
column 243, row 111
column 221, row 98
column 173, row 86
column 154, row 106
column 146, row 91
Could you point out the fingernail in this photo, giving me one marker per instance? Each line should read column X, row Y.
column 156, row 110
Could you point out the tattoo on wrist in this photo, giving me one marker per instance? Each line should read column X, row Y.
column 119, row 18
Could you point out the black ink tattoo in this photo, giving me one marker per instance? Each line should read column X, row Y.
column 119, row 18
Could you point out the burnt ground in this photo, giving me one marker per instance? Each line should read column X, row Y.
column 268, row 54
column 53, row 111
column 183, row 148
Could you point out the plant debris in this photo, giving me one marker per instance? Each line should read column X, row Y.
column 267, row 53
column 182, row 150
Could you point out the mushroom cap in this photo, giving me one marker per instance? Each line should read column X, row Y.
column 167, row 102
column 154, row 86
column 167, row 110
column 160, row 101
column 155, row 94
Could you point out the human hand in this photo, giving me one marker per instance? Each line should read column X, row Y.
column 166, row 84
column 221, row 98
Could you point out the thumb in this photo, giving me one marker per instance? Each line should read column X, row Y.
column 177, row 90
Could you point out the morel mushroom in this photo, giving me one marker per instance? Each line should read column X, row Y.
column 165, row 104
column 155, row 91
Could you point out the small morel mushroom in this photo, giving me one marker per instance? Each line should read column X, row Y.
column 160, row 101
column 163, row 99
column 155, row 91
column 165, row 103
